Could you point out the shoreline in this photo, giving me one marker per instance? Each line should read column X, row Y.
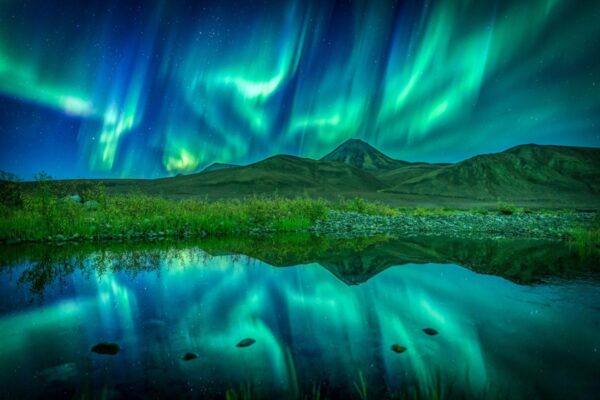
column 531, row 225
column 350, row 224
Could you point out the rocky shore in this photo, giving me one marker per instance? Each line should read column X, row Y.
column 457, row 224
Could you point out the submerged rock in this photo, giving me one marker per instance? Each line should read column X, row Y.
column 106, row 348
column 246, row 342
column 430, row 331
column 189, row 356
column 396, row 348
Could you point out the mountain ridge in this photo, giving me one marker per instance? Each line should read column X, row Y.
column 217, row 166
column 529, row 175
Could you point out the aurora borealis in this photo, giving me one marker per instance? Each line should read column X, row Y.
column 149, row 89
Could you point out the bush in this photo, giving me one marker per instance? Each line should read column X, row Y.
column 508, row 209
column 363, row 206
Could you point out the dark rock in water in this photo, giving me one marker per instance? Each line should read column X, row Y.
column 246, row 342
column 106, row 348
column 430, row 331
column 189, row 356
column 398, row 348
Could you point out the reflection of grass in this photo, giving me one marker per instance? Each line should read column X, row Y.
column 51, row 262
column 519, row 260
column 245, row 392
column 437, row 389
column 361, row 386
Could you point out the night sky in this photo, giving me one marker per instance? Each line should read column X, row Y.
column 125, row 89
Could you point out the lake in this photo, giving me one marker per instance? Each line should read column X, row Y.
column 301, row 317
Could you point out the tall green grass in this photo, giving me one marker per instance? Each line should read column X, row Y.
column 45, row 212
column 586, row 240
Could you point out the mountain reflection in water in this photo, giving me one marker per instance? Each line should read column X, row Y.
column 322, row 328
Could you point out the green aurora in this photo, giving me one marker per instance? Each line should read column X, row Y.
column 169, row 87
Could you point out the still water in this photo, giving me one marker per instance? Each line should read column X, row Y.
column 323, row 314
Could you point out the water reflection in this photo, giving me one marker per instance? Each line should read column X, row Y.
column 320, row 327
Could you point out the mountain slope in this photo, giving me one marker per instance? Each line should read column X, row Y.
column 362, row 155
column 520, row 173
column 286, row 175
column 527, row 176
column 397, row 176
column 217, row 166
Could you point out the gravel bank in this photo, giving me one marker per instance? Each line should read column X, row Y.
column 549, row 226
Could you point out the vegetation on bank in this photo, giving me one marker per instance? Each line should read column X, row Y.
column 49, row 209
column 586, row 240
column 63, row 210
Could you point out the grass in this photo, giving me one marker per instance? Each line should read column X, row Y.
column 46, row 212
column 586, row 240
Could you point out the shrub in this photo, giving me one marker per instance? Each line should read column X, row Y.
column 508, row 209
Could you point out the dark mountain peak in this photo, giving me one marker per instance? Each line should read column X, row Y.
column 355, row 144
column 360, row 154
column 355, row 141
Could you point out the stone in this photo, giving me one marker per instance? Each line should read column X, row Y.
column 430, row 331
column 396, row 348
column 246, row 342
column 106, row 348
column 73, row 198
column 189, row 356
column 91, row 205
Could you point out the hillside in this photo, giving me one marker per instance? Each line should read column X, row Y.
column 285, row 175
column 526, row 175
column 217, row 166
column 527, row 172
